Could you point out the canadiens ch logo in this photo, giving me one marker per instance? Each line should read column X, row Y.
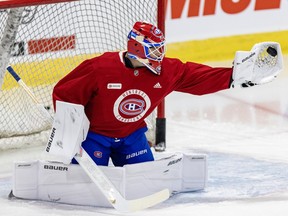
column 98, row 154
column 156, row 32
column 131, row 106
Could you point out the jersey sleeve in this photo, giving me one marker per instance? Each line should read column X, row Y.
column 78, row 86
column 201, row 79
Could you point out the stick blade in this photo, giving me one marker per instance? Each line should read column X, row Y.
column 127, row 206
column 112, row 194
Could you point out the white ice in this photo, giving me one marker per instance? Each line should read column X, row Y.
column 244, row 132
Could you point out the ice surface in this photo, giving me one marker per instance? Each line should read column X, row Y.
column 244, row 132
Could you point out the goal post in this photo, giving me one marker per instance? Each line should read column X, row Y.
column 44, row 40
column 8, row 4
column 160, row 127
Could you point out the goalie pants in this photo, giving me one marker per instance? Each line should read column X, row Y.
column 127, row 150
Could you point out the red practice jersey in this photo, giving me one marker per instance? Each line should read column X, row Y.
column 117, row 99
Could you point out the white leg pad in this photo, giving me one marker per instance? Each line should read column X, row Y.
column 57, row 182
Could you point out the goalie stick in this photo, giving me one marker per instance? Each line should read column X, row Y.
column 99, row 178
column 22, row 84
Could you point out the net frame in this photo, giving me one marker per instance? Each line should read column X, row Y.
column 38, row 136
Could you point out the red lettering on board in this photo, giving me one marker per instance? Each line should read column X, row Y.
column 209, row 7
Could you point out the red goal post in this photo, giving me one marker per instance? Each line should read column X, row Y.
column 6, row 4
column 45, row 39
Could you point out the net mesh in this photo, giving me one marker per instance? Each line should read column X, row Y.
column 50, row 41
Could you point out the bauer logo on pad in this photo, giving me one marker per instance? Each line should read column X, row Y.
column 114, row 86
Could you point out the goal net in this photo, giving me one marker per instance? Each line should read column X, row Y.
column 43, row 42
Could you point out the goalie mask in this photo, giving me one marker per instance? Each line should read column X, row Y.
column 146, row 43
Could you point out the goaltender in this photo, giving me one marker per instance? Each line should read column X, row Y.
column 120, row 89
